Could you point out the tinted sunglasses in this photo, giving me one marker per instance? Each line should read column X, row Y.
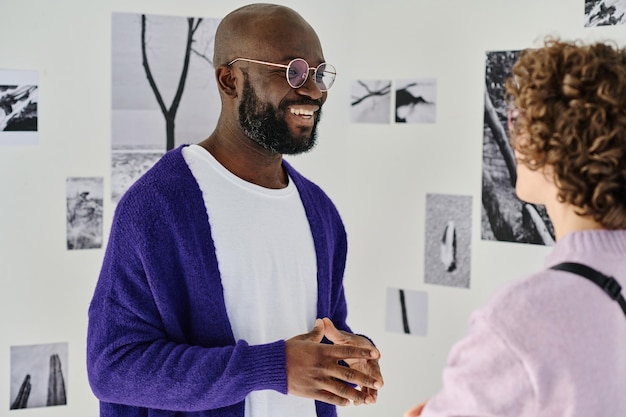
column 297, row 72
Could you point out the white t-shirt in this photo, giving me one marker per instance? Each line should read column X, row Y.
column 267, row 261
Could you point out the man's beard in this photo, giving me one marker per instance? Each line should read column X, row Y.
column 263, row 126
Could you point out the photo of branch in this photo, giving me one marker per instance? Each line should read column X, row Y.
column 407, row 312
column 38, row 375
column 84, row 203
column 448, row 237
column 370, row 101
column 19, row 97
column 416, row 100
column 163, row 89
column 505, row 217
column 605, row 12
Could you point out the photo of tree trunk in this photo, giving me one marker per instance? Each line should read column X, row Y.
column 504, row 216
column 38, row 375
column 605, row 12
column 163, row 89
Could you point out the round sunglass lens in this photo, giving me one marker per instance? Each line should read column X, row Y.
column 325, row 76
column 297, row 72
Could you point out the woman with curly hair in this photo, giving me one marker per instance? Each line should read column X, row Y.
column 553, row 343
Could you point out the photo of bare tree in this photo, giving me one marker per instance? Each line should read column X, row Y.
column 447, row 242
column 19, row 97
column 370, row 101
column 38, row 375
column 407, row 312
column 163, row 89
column 504, row 216
column 605, row 12
column 84, row 203
column 416, row 100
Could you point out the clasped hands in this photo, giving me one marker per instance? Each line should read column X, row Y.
column 314, row 371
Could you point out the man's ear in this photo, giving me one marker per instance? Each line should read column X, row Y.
column 226, row 80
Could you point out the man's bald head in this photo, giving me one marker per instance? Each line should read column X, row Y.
column 252, row 29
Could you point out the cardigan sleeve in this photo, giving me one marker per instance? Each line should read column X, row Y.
column 158, row 336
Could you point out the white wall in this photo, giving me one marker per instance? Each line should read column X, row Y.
column 378, row 175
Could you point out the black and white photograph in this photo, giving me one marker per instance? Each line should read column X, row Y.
column 84, row 201
column 38, row 375
column 416, row 100
column 370, row 101
column 605, row 12
column 407, row 312
column 448, row 237
column 505, row 217
column 163, row 89
column 19, row 96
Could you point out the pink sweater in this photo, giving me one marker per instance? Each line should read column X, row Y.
column 550, row 344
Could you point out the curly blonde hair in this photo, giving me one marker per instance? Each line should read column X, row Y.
column 571, row 99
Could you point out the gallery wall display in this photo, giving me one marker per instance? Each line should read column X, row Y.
column 413, row 101
column 504, row 216
column 163, row 89
column 163, row 95
column 19, row 96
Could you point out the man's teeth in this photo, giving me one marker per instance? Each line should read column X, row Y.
column 302, row 112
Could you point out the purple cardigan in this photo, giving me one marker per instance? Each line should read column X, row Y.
column 159, row 340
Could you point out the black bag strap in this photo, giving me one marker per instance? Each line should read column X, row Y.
column 608, row 284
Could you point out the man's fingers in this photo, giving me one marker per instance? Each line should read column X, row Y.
column 355, row 376
column 350, row 342
column 340, row 393
column 347, row 352
column 318, row 330
column 331, row 332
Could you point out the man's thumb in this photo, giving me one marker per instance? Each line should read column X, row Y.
column 318, row 330
column 331, row 332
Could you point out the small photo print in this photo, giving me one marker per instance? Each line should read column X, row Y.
column 407, row 312
column 416, row 100
column 84, row 198
column 19, row 95
column 38, row 375
column 447, row 257
column 370, row 101
column 605, row 12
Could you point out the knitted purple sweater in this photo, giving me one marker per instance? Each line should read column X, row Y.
column 159, row 341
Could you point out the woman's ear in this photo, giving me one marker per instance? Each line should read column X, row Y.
column 226, row 80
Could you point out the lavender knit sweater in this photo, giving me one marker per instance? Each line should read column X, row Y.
column 551, row 344
column 159, row 340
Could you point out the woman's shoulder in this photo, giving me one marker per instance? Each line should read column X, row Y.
column 544, row 299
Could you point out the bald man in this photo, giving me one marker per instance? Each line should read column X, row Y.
column 221, row 291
